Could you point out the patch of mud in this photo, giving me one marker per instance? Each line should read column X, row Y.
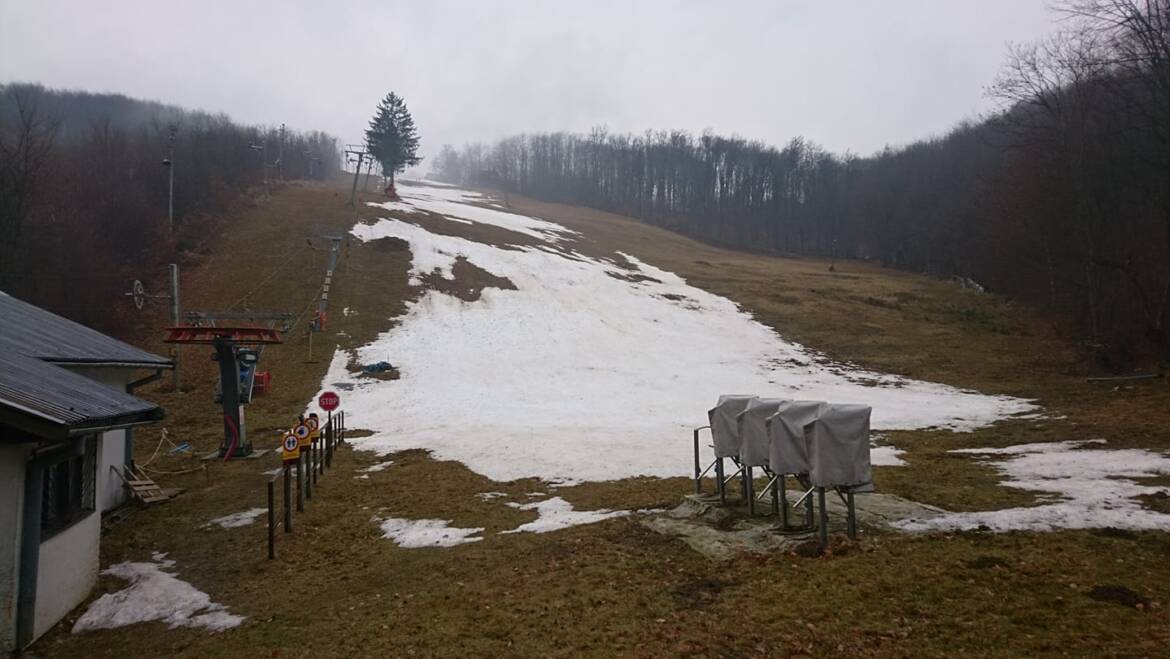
column 699, row 593
column 468, row 281
column 722, row 532
column 985, row 563
column 1114, row 532
column 1120, row 595
column 1156, row 501
column 387, row 244
column 635, row 278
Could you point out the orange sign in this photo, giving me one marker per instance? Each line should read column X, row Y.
column 304, row 434
column 290, row 448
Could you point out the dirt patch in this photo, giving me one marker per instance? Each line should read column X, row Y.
column 1157, row 501
column 476, row 232
column 1119, row 534
column 699, row 593
column 635, row 277
column 808, row 549
column 1120, row 595
column 467, row 282
column 986, row 562
column 388, row 244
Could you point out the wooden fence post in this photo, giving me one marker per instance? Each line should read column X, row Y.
column 300, row 484
column 308, row 455
column 288, row 499
column 271, row 518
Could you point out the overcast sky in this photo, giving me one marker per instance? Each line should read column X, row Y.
column 850, row 75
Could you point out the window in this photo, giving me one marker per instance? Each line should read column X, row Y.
column 67, row 493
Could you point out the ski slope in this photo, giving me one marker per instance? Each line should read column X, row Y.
column 593, row 368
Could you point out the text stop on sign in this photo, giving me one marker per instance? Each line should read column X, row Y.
column 329, row 401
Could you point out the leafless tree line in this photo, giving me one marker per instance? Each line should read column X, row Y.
column 84, row 191
column 1061, row 199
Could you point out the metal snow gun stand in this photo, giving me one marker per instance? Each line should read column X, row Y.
column 237, row 349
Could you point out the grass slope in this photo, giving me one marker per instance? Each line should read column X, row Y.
column 338, row 589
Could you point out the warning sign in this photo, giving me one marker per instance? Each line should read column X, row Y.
column 314, row 426
column 290, row 448
column 304, row 434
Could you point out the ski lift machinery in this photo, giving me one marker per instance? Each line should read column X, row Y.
column 238, row 347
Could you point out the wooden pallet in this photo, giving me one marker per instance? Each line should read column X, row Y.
column 142, row 487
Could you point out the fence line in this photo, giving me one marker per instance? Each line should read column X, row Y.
column 310, row 464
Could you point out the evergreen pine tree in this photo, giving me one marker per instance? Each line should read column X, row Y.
column 392, row 139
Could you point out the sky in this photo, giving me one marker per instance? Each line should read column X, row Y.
column 851, row 75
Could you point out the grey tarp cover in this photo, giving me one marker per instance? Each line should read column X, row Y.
column 838, row 446
column 753, row 431
column 788, row 449
column 724, row 429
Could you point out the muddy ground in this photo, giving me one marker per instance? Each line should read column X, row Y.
column 619, row 587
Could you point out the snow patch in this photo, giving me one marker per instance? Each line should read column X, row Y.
column 239, row 519
column 154, row 594
column 581, row 374
column 416, row 533
column 381, row 466
column 1082, row 488
column 556, row 513
column 488, row 496
column 459, row 206
column 886, row 456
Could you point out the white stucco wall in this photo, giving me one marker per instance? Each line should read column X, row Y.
column 13, row 459
column 111, row 491
column 67, row 572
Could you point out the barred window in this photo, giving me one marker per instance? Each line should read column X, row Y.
column 68, row 489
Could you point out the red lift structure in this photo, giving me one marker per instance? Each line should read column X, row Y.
column 237, row 349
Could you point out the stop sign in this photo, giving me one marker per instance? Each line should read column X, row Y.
column 329, row 401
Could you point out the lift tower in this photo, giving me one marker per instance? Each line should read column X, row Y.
column 237, row 350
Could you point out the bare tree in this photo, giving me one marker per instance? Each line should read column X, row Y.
column 26, row 142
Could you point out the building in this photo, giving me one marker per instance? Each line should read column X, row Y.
column 66, row 423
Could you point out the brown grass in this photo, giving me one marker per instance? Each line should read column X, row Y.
column 338, row 589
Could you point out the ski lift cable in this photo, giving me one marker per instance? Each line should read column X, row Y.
column 284, row 263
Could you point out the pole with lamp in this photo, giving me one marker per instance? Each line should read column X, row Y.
column 260, row 148
column 169, row 163
column 280, row 155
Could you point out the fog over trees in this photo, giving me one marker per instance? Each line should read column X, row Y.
column 84, row 190
column 1062, row 199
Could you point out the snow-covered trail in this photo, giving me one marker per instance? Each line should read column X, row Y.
column 581, row 373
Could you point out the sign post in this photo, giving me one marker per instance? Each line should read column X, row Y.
column 290, row 454
column 314, row 424
column 329, row 401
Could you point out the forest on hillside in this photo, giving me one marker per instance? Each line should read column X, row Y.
column 1060, row 199
column 84, row 189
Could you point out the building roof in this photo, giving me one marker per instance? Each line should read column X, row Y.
column 51, row 402
column 32, row 331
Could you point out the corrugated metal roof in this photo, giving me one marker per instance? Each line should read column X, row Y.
column 32, row 331
column 44, row 399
